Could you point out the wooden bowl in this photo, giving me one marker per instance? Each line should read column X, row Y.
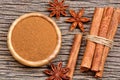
column 14, row 42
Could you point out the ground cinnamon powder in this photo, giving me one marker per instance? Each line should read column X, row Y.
column 34, row 38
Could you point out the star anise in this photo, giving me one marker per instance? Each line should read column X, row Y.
column 77, row 19
column 57, row 72
column 57, row 8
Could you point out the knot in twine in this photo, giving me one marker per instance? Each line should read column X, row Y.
column 100, row 40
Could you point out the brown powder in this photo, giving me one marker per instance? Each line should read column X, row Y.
column 34, row 38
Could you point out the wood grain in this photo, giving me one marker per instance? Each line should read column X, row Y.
column 10, row 69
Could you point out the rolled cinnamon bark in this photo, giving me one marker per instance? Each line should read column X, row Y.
column 74, row 54
column 110, row 35
column 90, row 47
column 107, row 15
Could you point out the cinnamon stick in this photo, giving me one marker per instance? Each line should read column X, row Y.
column 74, row 54
column 107, row 15
column 110, row 35
column 89, row 52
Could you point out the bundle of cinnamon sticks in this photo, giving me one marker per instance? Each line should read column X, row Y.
column 104, row 24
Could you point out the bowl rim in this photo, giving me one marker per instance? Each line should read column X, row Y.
column 27, row 62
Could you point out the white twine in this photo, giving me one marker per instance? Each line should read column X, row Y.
column 100, row 40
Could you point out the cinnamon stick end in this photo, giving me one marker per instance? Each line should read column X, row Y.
column 83, row 69
column 99, row 74
column 94, row 70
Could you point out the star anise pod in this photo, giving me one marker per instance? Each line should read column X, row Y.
column 57, row 8
column 57, row 72
column 77, row 19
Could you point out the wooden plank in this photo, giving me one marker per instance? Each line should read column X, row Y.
column 10, row 69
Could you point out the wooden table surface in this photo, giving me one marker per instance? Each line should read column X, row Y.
column 10, row 69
